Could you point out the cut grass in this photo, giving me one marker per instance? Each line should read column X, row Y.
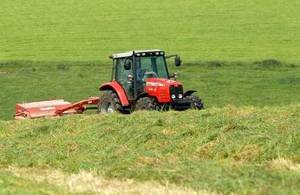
column 86, row 182
column 223, row 150
column 12, row 184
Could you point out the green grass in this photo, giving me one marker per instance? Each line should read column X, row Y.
column 230, row 30
column 225, row 150
column 231, row 83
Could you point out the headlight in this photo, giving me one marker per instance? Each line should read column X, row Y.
column 180, row 96
column 173, row 96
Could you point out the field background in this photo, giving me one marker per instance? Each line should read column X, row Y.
column 71, row 30
column 241, row 56
column 218, row 84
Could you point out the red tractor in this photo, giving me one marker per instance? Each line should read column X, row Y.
column 141, row 81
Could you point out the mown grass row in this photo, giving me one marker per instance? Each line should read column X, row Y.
column 224, row 150
column 11, row 184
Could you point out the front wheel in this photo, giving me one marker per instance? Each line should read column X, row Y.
column 147, row 103
column 196, row 102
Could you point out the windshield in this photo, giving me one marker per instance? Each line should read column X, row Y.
column 151, row 66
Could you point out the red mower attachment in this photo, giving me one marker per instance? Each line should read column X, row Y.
column 52, row 108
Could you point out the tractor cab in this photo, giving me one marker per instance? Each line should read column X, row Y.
column 132, row 69
column 140, row 79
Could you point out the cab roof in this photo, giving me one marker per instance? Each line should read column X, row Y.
column 130, row 53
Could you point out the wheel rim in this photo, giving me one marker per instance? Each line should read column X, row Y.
column 107, row 108
column 110, row 109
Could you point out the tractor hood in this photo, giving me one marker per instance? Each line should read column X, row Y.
column 160, row 82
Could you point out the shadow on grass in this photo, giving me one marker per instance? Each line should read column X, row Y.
column 61, row 65
column 64, row 65
column 267, row 64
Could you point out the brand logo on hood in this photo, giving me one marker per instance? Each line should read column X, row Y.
column 154, row 84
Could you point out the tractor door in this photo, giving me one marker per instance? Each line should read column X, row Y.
column 121, row 75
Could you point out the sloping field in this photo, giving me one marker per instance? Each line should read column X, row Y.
column 244, row 150
column 230, row 30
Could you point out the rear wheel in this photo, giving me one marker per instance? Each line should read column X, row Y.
column 109, row 103
column 196, row 102
column 147, row 103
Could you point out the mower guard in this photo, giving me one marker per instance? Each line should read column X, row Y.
column 52, row 108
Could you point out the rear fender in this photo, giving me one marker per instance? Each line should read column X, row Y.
column 115, row 86
column 188, row 93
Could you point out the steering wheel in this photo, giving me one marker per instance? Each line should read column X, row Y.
column 150, row 75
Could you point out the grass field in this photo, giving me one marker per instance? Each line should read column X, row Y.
column 246, row 84
column 229, row 30
column 241, row 56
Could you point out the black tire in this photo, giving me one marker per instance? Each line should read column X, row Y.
column 197, row 103
column 147, row 103
column 109, row 103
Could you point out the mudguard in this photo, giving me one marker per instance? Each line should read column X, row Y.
column 188, row 93
column 115, row 86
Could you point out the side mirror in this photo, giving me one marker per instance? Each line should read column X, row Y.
column 127, row 65
column 177, row 61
